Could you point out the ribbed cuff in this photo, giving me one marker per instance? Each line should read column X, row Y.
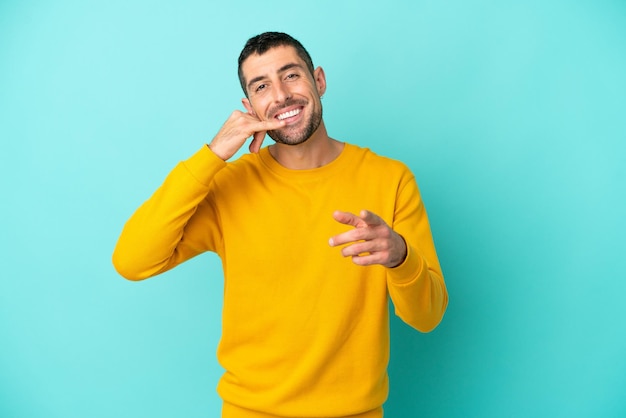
column 409, row 270
column 204, row 164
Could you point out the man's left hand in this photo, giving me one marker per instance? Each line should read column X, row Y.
column 371, row 241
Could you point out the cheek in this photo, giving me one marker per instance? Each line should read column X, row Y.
column 259, row 110
column 254, row 106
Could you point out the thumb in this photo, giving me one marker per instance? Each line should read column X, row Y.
column 348, row 218
column 371, row 218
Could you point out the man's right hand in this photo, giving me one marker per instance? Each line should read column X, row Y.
column 237, row 129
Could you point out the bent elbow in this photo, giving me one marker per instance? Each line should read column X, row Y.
column 428, row 326
column 423, row 323
column 126, row 268
column 427, row 319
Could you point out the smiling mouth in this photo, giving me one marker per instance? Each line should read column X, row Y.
column 290, row 114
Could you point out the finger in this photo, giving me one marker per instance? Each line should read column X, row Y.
column 257, row 141
column 368, row 259
column 347, row 218
column 260, row 129
column 374, row 252
column 354, row 235
column 269, row 125
column 364, row 247
column 371, row 218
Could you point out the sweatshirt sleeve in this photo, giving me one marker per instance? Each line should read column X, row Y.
column 161, row 233
column 416, row 286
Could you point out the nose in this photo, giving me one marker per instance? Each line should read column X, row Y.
column 281, row 93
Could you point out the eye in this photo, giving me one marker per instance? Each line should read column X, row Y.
column 260, row 88
column 291, row 76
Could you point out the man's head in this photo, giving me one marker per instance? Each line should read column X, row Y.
column 260, row 44
column 279, row 81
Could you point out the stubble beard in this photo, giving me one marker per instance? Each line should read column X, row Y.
column 289, row 136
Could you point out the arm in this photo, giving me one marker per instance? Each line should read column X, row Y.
column 152, row 239
column 161, row 233
column 415, row 281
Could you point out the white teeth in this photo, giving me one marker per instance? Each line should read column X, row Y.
column 288, row 114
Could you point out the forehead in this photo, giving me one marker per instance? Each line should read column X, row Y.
column 270, row 62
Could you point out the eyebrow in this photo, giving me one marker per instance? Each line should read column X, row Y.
column 280, row 70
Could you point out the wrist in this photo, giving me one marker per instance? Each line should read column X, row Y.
column 218, row 152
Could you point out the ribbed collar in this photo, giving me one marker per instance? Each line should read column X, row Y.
column 334, row 167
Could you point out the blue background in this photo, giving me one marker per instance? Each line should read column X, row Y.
column 511, row 114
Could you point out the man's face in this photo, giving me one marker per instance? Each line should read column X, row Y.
column 280, row 86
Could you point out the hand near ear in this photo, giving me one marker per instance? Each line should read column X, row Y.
column 237, row 129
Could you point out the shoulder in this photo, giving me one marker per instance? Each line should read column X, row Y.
column 378, row 163
column 240, row 171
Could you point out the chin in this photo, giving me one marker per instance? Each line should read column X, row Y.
column 286, row 139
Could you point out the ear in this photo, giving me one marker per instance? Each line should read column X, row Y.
column 320, row 80
column 248, row 106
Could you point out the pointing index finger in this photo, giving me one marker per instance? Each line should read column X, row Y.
column 350, row 219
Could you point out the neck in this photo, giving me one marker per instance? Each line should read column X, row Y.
column 317, row 151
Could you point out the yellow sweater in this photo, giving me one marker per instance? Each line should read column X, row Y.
column 305, row 330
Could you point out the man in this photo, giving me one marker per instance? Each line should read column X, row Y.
column 313, row 233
